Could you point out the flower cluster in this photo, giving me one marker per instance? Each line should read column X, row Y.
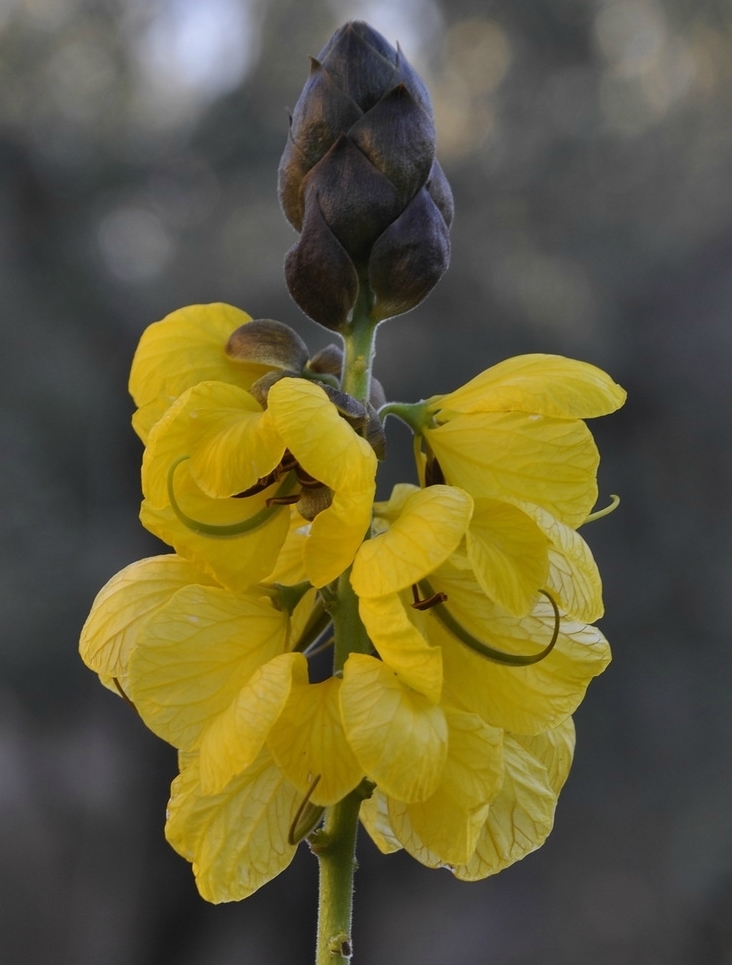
column 462, row 606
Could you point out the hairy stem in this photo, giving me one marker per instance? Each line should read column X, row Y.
column 335, row 847
column 359, row 348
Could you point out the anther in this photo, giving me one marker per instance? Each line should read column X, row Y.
column 282, row 500
column 427, row 604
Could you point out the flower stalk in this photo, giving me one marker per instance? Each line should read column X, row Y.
column 335, row 847
column 359, row 353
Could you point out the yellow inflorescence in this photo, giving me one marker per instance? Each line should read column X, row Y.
column 475, row 590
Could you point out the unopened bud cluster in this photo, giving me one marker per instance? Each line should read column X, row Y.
column 359, row 180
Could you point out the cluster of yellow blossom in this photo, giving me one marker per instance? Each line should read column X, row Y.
column 476, row 592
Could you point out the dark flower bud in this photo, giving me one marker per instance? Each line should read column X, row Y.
column 268, row 342
column 353, row 411
column 359, row 180
column 409, row 258
column 320, row 275
column 328, row 360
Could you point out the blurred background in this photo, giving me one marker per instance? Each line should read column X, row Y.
column 589, row 145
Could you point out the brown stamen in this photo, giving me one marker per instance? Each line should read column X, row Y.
column 427, row 604
column 282, row 500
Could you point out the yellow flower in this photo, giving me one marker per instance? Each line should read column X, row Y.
column 121, row 608
column 492, row 797
column 209, row 671
column 524, row 699
column 476, row 594
column 298, row 445
column 170, row 592
column 185, row 348
column 515, row 432
column 481, row 819
column 238, row 838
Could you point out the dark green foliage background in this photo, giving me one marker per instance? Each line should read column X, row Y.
column 589, row 145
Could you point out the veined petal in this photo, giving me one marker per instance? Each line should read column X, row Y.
column 510, row 455
column 232, row 442
column 185, row 348
column 308, row 741
column 449, row 822
column 524, row 700
column 574, row 579
column 374, row 815
column 236, row 840
column 234, row 561
column 227, row 436
column 322, row 441
column 391, row 509
column 125, row 603
column 547, row 384
column 430, row 527
column 327, row 448
column 234, row 739
column 397, row 734
column 290, row 566
column 473, row 773
column 554, row 750
column 301, row 615
column 196, row 653
column 519, row 818
column 508, row 553
column 335, row 535
column 401, row 645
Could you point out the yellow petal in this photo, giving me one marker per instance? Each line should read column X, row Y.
column 574, row 579
column 124, row 604
column 554, row 750
column 336, row 534
column 308, row 741
column 290, row 566
column 234, row 739
column 449, row 822
column 509, row 554
column 234, row 561
column 509, row 455
column 397, row 734
column 374, row 815
column 231, row 441
column 524, row 700
column 390, row 510
column 236, row 840
column 328, row 449
column 401, row 645
column 548, row 384
column 227, row 436
column 196, row 653
column 430, row 527
column 301, row 616
column 185, row 348
column 519, row 818
column 321, row 440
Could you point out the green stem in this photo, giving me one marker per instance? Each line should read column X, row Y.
column 359, row 347
column 350, row 633
column 335, row 844
column 335, row 847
